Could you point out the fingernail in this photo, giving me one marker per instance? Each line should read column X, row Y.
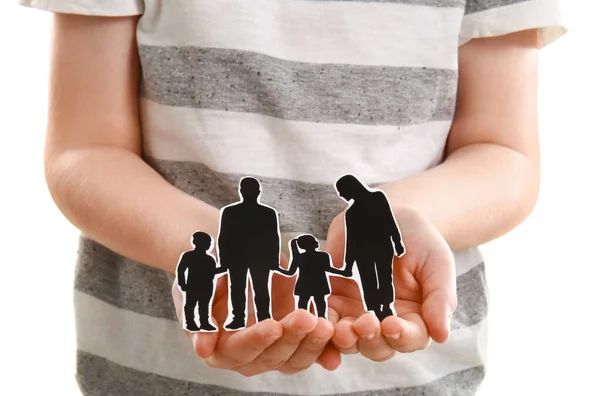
column 194, row 338
column 370, row 336
column 395, row 336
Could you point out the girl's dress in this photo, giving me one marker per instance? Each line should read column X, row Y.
column 295, row 93
column 312, row 268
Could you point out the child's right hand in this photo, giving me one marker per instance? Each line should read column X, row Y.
column 291, row 343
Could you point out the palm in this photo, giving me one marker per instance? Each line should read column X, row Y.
column 281, row 298
column 416, row 274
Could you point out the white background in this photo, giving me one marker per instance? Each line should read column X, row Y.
column 544, row 276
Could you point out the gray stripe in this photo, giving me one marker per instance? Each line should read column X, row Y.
column 136, row 287
column 473, row 6
column 472, row 293
column 100, row 376
column 302, row 206
column 427, row 3
column 230, row 80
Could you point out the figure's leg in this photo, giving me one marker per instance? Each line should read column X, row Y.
column 384, row 263
column 262, row 297
column 238, row 280
column 204, row 308
column 303, row 302
column 321, row 304
column 368, row 280
column 189, row 309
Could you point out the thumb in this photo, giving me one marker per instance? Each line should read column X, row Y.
column 205, row 342
column 438, row 283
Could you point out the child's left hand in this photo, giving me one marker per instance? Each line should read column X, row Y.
column 425, row 288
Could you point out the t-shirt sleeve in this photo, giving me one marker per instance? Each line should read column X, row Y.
column 89, row 7
column 488, row 18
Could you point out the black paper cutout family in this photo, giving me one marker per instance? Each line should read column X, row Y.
column 249, row 244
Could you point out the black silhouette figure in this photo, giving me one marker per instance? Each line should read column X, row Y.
column 372, row 240
column 202, row 272
column 313, row 281
column 249, row 242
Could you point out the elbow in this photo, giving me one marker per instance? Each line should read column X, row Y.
column 525, row 190
column 60, row 173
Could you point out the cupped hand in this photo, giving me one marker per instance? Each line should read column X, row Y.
column 425, row 294
column 290, row 342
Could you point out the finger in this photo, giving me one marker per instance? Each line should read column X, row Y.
column 296, row 326
column 371, row 342
column 311, row 347
column 330, row 359
column 204, row 343
column 406, row 334
column 235, row 349
column 438, row 282
column 345, row 338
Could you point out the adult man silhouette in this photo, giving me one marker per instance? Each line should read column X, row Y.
column 249, row 242
column 372, row 240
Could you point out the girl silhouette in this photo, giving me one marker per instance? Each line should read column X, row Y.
column 313, row 266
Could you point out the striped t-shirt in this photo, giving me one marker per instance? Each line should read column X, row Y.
column 295, row 93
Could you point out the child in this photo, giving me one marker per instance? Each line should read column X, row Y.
column 313, row 266
column 199, row 283
column 157, row 107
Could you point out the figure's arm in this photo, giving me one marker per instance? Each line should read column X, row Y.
column 393, row 229
column 276, row 239
column 181, row 268
column 349, row 255
column 341, row 272
column 223, row 237
column 218, row 270
column 288, row 272
column 489, row 181
column 294, row 251
column 93, row 155
column 294, row 255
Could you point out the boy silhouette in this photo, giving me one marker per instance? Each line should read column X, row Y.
column 313, row 266
column 198, row 286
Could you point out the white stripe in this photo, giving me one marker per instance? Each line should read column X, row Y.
column 545, row 14
column 89, row 7
column 466, row 260
column 364, row 33
column 159, row 346
column 244, row 143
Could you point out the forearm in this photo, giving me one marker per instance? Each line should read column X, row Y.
column 480, row 192
column 115, row 198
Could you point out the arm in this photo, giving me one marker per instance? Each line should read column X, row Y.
column 220, row 270
column 93, row 163
column 223, row 237
column 181, row 268
column 331, row 269
column 294, row 252
column 294, row 255
column 276, row 242
column 349, row 255
column 490, row 176
column 393, row 229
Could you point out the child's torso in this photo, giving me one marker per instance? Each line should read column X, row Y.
column 295, row 93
